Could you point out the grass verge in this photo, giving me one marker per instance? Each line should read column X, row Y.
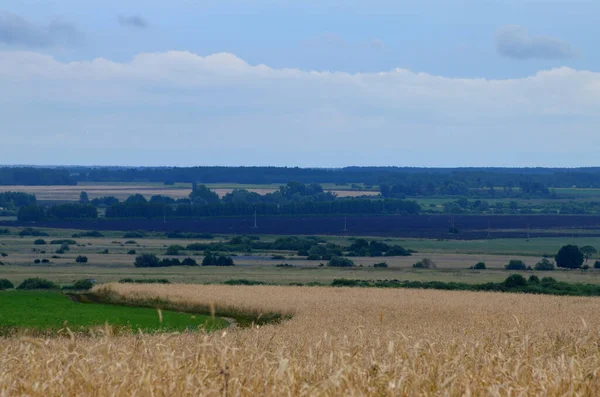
column 52, row 313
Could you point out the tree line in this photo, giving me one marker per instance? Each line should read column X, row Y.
column 419, row 179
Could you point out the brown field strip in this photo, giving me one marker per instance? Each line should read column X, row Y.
column 340, row 341
column 122, row 191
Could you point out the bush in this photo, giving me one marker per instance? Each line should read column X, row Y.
column 570, row 257
column 37, row 283
column 93, row 233
column 6, row 284
column 313, row 257
column 167, row 262
column 189, row 262
column 516, row 264
column 381, row 265
column 243, row 282
column 145, row 281
column 3, row 254
column 278, row 257
column 425, row 263
column 339, row 261
column 81, row 259
column 1, row 263
column 548, row 280
column 130, row 242
column 63, row 242
column 59, row 251
column 45, row 260
column 83, row 284
column 286, row 265
column 131, row 252
column 533, row 279
column 32, row 232
column 36, row 261
column 147, row 260
column 585, row 267
column 544, row 265
column 597, row 265
column 479, row 266
column 213, row 260
column 515, row 280
column 39, row 241
column 174, row 249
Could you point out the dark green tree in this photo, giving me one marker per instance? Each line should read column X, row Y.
column 570, row 257
column 588, row 251
column 147, row 260
column 83, row 198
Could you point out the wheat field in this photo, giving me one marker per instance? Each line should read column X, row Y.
column 339, row 342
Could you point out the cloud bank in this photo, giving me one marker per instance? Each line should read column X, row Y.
column 181, row 108
column 516, row 43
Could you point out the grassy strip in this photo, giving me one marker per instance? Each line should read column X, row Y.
column 514, row 283
column 53, row 313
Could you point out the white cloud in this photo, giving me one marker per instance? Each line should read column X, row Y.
column 228, row 111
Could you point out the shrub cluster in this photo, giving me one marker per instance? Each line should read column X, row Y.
column 145, row 281
column 338, row 261
column 93, row 233
column 425, row 263
column 32, row 232
column 63, row 242
column 37, row 283
column 5, row 284
column 214, row 260
column 362, row 247
column 151, row 260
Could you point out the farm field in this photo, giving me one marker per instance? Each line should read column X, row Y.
column 470, row 227
column 52, row 311
column 339, row 341
column 121, row 191
column 110, row 259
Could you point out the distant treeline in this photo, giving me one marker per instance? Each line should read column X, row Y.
column 418, row 179
column 291, row 199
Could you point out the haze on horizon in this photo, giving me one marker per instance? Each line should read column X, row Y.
column 316, row 83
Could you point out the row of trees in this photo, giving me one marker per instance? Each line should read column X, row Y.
column 529, row 180
column 151, row 260
column 36, row 213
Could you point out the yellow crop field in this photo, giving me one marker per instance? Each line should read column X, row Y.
column 339, row 342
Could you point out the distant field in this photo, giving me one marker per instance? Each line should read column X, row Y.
column 453, row 257
column 124, row 190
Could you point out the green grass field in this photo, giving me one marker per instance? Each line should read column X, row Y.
column 51, row 311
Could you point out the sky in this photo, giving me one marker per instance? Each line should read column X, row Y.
column 325, row 83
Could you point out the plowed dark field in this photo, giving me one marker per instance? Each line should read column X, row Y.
column 420, row 226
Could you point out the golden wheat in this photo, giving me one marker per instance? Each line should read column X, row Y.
column 340, row 341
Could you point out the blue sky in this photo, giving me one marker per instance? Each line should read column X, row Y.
column 313, row 83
